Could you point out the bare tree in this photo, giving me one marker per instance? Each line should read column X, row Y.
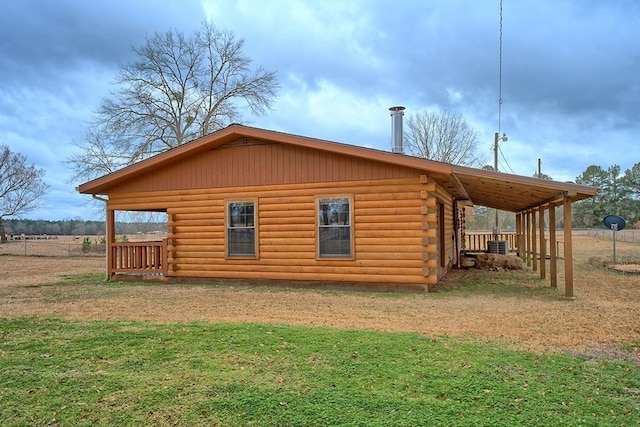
column 442, row 136
column 21, row 186
column 178, row 89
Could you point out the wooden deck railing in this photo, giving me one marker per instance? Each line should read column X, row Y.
column 479, row 241
column 139, row 257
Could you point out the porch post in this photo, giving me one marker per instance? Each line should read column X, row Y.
column 110, row 237
column 165, row 257
column 543, row 245
column 568, row 249
column 553, row 255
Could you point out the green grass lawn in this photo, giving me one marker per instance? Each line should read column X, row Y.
column 57, row 372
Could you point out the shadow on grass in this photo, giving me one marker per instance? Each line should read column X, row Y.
column 457, row 283
column 497, row 283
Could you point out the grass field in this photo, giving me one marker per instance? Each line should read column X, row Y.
column 487, row 349
column 56, row 372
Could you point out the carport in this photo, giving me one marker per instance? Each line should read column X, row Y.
column 529, row 198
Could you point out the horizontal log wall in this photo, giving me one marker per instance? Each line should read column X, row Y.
column 394, row 229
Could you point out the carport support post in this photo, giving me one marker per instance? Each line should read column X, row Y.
column 568, row 249
column 543, row 245
column 527, row 237
column 553, row 255
column 519, row 234
column 534, row 249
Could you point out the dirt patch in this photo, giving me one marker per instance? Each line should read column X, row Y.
column 20, row 271
column 612, row 351
column 605, row 313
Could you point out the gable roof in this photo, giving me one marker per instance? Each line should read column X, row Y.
column 487, row 188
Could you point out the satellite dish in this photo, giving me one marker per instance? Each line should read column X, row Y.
column 614, row 222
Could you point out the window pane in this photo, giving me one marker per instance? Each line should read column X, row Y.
column 241, row 242
column 241, row 214
column 333, row 212
column 335, row 241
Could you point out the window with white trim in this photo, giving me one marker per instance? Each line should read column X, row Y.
column 334, row 228
column 241, row 229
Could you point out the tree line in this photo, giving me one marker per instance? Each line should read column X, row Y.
column 77, row 227
column 619, row 194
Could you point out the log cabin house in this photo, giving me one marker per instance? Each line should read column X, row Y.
column 249, row 203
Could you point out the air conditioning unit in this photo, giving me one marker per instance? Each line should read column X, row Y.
column 500, row 247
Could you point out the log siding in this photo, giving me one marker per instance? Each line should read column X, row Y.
column 393, row 222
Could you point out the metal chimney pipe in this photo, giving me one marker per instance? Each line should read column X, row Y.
column 396, row 128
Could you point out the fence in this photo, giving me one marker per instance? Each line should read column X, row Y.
column 64, row 247
column 626, row 235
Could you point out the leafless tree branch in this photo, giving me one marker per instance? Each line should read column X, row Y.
column 442, row 136
column 21, row 185
column 179, row 88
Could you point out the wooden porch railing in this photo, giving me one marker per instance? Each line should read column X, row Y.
column 139, row 257
column 479, row 241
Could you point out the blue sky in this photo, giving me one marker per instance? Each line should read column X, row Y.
column 570, row 88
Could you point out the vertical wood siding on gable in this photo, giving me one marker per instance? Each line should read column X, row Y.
column 254, row 163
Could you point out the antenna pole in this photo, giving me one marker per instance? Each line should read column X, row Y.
column 500, row 75
column 496, row 138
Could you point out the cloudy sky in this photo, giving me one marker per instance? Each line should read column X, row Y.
column 570, row 86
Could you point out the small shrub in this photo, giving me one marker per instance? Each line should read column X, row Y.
column 86, row 245
column 598, row 262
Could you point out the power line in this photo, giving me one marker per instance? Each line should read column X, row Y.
column 505, row 160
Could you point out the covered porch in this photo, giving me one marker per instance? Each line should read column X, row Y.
column 134, row 258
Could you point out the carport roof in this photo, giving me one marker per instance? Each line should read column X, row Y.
column 477, row 186
column 515, row 193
